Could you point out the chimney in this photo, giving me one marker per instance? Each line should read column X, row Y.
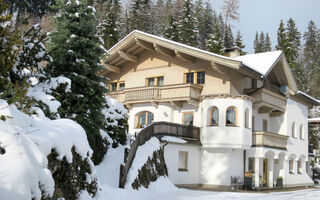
column 232, row 52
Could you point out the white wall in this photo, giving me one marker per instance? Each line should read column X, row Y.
column 223, row 136
column 218, row 165
column 171, row 155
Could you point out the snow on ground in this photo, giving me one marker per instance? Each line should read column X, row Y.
column 173, row 139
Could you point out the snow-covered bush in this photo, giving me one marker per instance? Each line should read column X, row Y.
column 26, row 142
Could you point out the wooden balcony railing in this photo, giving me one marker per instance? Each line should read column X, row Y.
column 177, row 92
column 269, row 101
column 154, row 130
column 267, row 139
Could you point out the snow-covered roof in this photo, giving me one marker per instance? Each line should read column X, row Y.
column 314, row 120
column 260, row 62
column 313, row 100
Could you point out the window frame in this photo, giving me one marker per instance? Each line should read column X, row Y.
column 293, row 130
column 236, row 116
column 146, row 119
column 195, row 77
column 201, row 78
column 251, row 162
column 115, row 86
column 191, row 78
column 246, row 118
column 155, row 81
column 183, row 117
column 299, row 166
column 301, row 132
column 211, row 115
column 265, row 124
column 291, row 167
column 185, row 167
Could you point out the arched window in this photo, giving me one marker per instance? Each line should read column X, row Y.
column 214, row 116
column 143, row 119
column 246, row 118
column 301, row 132
column 293, row 129
column 231, row 119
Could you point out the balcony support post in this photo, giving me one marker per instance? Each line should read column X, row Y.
column 257, row 172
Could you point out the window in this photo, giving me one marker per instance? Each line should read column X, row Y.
column 265, row 125
column 301, row 132
column 200, row 77
column 121, row 86
column 113, row 87
column 160, row 81
column 143, row 119
column 246, row 118
column 253, row 83
column 195, row 77
column 183, row 161
column 154, row 81
column 116, row 86
column 150, row 81
column 251, row 164
column 299, row 168
column 214, row 116
column 189, row 77
column 293, row 129
column 252, row 122
column 231, row 119
column 187, row 118
column 291, row 165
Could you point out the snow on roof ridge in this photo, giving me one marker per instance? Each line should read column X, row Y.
column 261, row 62
column 172, row 42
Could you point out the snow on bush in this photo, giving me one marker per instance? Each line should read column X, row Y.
column 42, row 91
column 25, row 143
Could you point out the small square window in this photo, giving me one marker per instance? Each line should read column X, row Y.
column 200, row 77
column 121, row 86
column 187, row 118
column 113, row 87
column 183, row 161
column 150, row 81
column 189, row 77
column 160, row 81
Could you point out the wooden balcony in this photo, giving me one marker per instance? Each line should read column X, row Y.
column 269, row 102
column 267, row 139
column 155, row 94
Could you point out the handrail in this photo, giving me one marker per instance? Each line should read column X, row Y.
column 154, row 129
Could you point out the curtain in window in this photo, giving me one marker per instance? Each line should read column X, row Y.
column 215, row 116
column 231, row 116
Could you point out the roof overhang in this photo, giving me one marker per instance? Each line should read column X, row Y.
column 135, row 43
column 307, row 98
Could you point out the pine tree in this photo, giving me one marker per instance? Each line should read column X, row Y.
column 140, row 16
column 33, row 52
column 267, row 43
column 160, row 16
column 76, row 50
column 282, row 38
column 206, row 25
column 187, row 25
column 256, row 44
column 293, row 42
column 172, row 32
column 109, row 26
column 262, row 42
column 215, row 42
column 35, row 7
column 239, row 43
column 9, row 46
column 228, row 39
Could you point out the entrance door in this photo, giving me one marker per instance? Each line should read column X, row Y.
column 265, row 172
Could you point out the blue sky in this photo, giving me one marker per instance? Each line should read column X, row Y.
column 265, row 15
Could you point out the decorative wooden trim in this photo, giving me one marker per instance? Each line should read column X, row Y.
column 217, row 67
column 163, row 51
column 145, row 45
column 112, row 68
column 129, row 57
column 184, row 57
column 177, row 104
